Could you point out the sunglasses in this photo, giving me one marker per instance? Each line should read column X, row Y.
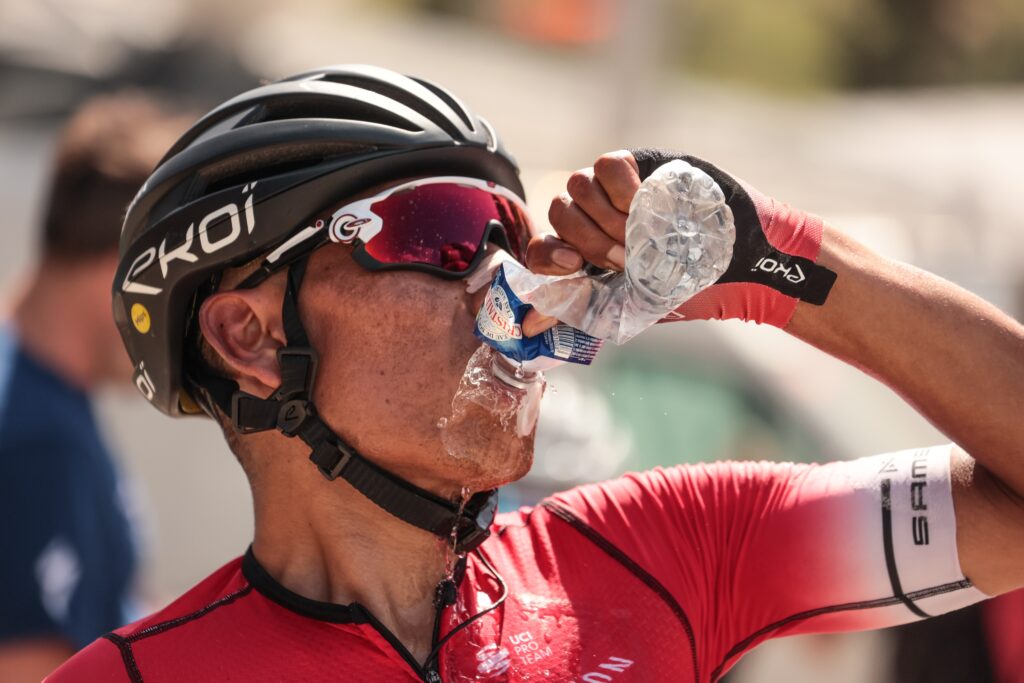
column 440, row 225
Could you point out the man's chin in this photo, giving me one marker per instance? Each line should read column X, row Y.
column 518, row 465
column 501, row 460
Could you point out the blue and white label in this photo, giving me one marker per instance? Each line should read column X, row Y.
column 499, row 325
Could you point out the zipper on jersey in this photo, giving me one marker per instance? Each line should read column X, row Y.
column 441, row 603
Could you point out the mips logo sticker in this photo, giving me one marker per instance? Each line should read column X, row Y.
column 140, row 318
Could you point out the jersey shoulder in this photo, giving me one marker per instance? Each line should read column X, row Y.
column 99, row 661
column 668, row 497
column 227, row 583
column 113, row 657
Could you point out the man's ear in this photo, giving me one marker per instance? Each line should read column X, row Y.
column 244, row 327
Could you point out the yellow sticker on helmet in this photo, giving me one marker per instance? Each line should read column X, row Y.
column 140, row 318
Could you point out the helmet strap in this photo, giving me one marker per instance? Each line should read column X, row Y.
column 291, row 411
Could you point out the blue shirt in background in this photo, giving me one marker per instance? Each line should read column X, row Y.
column 66, row 549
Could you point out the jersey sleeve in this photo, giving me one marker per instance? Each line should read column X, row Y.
column 759, row 550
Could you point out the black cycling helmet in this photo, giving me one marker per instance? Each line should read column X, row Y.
column 242, row 181
column 250, row 174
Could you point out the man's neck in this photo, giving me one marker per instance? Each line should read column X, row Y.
column 326, row 542
column 55, row 325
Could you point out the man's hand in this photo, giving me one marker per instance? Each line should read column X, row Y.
column 773, row 260
column 589, row 219
column 958, row 360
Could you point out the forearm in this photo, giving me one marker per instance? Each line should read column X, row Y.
column 957, row 359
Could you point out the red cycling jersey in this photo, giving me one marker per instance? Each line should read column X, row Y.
column 670, row 575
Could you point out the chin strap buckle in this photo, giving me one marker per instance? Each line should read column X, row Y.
column 331, row 459
column 475, row 522
column 290, row 408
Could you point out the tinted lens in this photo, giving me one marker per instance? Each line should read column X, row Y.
column 442, row 225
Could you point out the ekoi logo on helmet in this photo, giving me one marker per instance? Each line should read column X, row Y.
column 208, row 244
column 143, row 382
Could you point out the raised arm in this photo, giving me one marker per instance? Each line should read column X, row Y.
column 960, row 362
column 955, row 358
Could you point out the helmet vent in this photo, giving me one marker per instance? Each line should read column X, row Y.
column 319, row 107
column 450, row 101
column 410, row 100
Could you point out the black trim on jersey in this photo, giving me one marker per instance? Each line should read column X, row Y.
column 174, row 623
column 616, row 554
column 267, row 586
column 127, row 656
column 398, row 645
column 124, row 643
column 352, row 613
column 890, row 553
column 744, row 644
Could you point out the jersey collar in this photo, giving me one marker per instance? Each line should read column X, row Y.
column 335, row 613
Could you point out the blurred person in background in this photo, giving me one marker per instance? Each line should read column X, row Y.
column 67, row 554
column 291, row 270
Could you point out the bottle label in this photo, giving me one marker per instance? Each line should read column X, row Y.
column 499, row 325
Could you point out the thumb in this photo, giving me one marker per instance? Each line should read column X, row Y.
column 536, row 322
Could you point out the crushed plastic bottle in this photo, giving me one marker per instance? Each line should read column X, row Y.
column 521, row 359
column 679, row 240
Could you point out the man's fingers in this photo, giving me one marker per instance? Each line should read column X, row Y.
column 574, row 226
column 549, row 255
column 535, row 322
column 591, row 197
column 619, row 176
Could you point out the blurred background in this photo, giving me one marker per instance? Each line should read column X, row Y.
column 900, row 121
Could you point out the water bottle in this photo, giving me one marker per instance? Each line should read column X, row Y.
column 679, row 240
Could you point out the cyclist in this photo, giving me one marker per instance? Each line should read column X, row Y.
column 294, row 268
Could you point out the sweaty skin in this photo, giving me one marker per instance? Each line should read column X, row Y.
column 577, row 574
column 393, row 347
column 957, row 359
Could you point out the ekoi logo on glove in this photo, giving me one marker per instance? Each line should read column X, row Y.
column 779, row 267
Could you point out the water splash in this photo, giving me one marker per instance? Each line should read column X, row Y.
column 451, row 557
column 482, row 403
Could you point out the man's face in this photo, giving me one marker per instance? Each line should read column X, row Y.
column 393, row 349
